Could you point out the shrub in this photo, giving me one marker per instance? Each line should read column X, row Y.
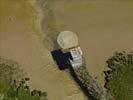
column 119, row 80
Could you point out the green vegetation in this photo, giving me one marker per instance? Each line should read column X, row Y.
column 13, row 86
column 119, row 79
column 12, row 91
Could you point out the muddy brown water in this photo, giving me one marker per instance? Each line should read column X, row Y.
column 20, row 42
column 103, row 27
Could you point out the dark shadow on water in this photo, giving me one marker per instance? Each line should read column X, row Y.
column 62, row 60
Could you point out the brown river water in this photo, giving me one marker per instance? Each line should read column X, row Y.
column 103, row 27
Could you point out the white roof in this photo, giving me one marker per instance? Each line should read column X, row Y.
column 77, row 57
column 76, row 63
column 75, row 52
